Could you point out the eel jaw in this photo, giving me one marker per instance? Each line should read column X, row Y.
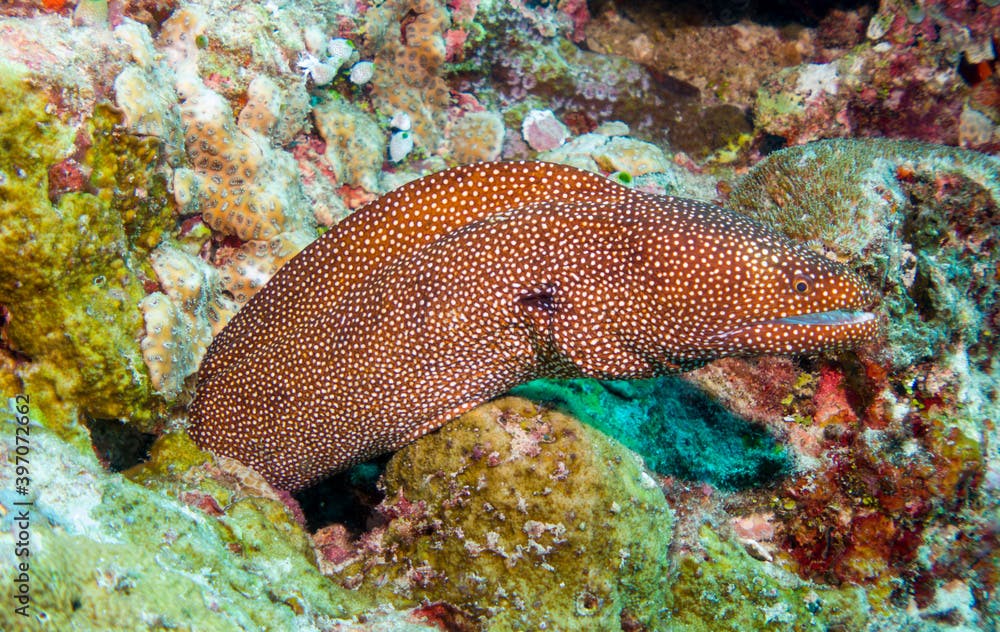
column 799, row 334
column 836, row 318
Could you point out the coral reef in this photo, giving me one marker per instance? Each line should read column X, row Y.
column 181, row 321
column 355, row 146
column 476, row 137
column 923, row 74
column 537, row 66
column 107, row 553
column 922, row 217
column 74, row 238
column 523, row 517
column 904, row 491
column 407, row 39
column 720, row 586
column 160, row 160
column 744, row 51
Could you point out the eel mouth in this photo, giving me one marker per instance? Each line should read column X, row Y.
column 837, row 317
column 799, row 334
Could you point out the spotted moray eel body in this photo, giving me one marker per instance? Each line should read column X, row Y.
column 456, row 287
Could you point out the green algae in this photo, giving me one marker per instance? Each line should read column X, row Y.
column 69, row 267
column 721, row 587
column 777, row 105
column 170, row 456
column 107, row 553
column 918, row 219
column 678, row 430
column 526, row 519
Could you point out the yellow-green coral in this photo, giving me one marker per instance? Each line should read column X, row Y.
column 526, row 518
column 69, row 271
column 108, row 553
column 723, row 588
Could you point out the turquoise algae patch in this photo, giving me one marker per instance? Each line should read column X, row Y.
column 677, row 429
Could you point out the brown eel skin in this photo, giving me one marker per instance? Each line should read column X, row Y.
column 458, row 286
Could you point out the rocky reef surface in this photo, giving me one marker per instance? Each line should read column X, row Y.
column 160, row 160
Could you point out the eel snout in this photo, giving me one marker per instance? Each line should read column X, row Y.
column 831, row 330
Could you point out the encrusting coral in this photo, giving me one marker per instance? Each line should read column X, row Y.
column 524, row 517
column 246, row 269
column 181, row 321
column 355, row 146
column 247, row 190
column 407, row 38
column 74, row 237
column 607, row 149
column 476, row 137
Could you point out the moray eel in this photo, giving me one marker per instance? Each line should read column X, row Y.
column 456, row 287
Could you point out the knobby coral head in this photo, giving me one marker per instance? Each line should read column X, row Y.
column 453, row 289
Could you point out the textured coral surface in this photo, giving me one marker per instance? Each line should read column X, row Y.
column 511, row 513
column 161, row 159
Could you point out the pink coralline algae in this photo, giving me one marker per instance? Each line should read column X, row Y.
column 925, row 73
column 543, row 131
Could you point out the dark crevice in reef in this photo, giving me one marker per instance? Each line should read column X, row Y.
column 348, row 498
column 117, row 445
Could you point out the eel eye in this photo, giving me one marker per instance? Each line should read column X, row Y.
column 802, row 285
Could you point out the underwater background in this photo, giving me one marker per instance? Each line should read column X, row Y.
column 161, row 159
